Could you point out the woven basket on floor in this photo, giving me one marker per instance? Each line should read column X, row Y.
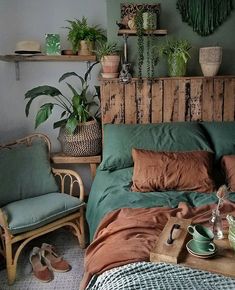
column 85, row 141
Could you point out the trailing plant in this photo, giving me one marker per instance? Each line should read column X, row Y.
column 80, row 30
column 106, row 48
column 140, row 41
column 75, row 109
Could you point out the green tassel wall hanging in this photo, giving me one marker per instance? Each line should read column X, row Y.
column 204, row 15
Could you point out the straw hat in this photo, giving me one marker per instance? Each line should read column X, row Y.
column 28, row 47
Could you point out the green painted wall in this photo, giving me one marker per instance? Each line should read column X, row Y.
column 170, row 19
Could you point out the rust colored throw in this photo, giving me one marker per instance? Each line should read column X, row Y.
column 228, row 164
column 162, row 171
column 128, row 235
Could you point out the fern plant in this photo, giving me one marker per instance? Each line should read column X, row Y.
column 80, row 30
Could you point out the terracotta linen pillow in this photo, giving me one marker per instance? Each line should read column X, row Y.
column 228, row 165
column 161, row 171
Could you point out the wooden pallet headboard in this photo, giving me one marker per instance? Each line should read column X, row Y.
column 168, row 100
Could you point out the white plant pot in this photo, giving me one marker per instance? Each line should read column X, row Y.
column 210, row 59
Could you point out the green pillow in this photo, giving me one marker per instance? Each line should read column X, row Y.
column 222, row 135
column 25, row 172
column 119, row 139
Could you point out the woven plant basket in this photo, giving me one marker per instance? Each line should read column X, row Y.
column 85, row 141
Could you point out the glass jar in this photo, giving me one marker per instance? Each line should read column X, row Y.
column 216, row 225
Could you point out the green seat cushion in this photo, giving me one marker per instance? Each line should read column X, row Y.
column 25, row 171
column 32, row 213
column 222, row 135
column 119, row 139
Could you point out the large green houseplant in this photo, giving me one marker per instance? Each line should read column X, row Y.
column 177, row 53
column 76, row 115
column 82, row 36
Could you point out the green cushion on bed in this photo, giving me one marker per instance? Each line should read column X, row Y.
column 222, row 135
column 119, row 140
column 25, row 172
column 32, row 213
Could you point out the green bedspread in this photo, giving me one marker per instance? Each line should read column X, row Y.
column 111, row 190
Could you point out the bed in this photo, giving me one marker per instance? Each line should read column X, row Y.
column 124, row 220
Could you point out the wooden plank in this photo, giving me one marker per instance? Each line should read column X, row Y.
column 105, row 102
column 207, row 99
column 169, row 103
column 159, row 32
column 117, row 102
column 182, row 100
column 157, row 101
column 165, row 252
column 175, row 95
column 60, row 157
column 196, row 99
column 130, row 103
column 143, row 99
column 16, row 57
column 229, row 99
column 218, row 99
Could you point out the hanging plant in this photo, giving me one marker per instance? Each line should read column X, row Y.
column 204, row 15
column 140, row 41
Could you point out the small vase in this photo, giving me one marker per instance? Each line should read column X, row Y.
column 216, row 225
column 149, row 20
column 210, row 59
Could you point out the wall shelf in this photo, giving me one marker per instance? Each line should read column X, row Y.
column 129, row 32
column 16, row 58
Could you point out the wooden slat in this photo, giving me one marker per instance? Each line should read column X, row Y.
column 182, row 100
column 218, row 100
column 105, row 103
column 117, row 102
column 143, row 99
column 130, row 103
column 157, row 101
column 207, row 100
column 229, row 96
column 16, row 57
column 196, row 99
column 175, row 95
column 168, row 102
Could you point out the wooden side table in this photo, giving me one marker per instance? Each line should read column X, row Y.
column 62, row 158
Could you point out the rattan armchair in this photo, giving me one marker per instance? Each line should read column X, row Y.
column 69, row 180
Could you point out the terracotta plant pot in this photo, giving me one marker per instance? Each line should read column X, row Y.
column 110, row 64
column 210, row 59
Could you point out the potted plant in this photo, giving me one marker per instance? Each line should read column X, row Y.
column 177, row 52
column 82, row 36
column 108, row 55
column 80, row 132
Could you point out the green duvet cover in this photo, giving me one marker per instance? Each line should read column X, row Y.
column 111, row 190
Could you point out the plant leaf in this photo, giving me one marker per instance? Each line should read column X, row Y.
column 63, row 114
column 69, row 74
column 60, row 123
column 71, row 124
column 43, row 113
column 89, row 70
column 39, row 91
column 72, row 89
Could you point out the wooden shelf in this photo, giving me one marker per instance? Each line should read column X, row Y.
column 158, row 32
column 18, row 58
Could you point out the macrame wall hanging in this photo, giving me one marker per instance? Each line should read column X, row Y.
column 204, row 15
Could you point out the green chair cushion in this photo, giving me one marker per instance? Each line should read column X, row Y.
column 32, row 213
column 25, row 171
column 222, row 135
column 119, row 140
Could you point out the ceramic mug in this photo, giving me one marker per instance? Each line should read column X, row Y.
column 206, row 246
column 200, row 233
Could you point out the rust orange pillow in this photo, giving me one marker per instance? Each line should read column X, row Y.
column 161, row 171
column 228, row 165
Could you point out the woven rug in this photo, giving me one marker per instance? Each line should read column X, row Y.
column 67, row 246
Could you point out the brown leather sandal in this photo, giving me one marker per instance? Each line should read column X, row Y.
column 53, row 260
column 40, row 269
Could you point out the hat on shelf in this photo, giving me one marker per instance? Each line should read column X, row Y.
column 28, row 47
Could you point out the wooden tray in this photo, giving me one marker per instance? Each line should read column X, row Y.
column 222, row 263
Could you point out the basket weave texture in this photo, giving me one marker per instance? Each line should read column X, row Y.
column 85, row 141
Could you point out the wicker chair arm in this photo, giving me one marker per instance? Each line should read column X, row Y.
column 71, row 179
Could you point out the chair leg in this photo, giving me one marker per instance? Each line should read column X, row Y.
column 82, row 229
column 11, row 267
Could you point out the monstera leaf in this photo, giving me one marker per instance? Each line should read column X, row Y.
column 204, row 15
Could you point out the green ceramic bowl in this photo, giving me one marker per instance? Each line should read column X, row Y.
column 232, row 241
